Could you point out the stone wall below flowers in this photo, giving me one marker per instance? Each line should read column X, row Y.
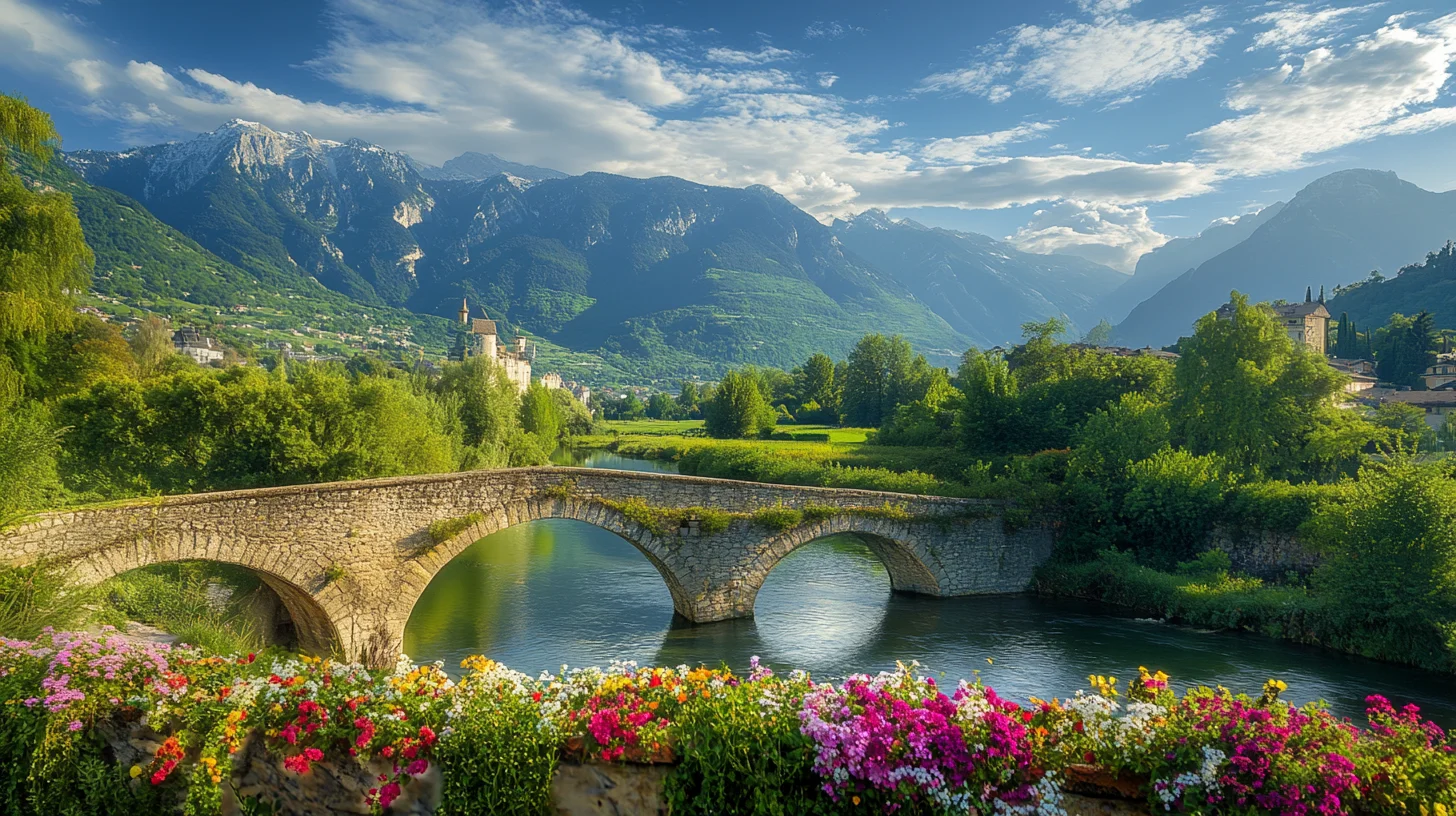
column 577, row 788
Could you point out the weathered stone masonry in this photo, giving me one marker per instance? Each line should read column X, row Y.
column 350, row 559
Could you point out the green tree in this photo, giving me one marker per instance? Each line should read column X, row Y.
column 1099, row 335
column 815, row 383
column 540, row 414
column 1407, row 423
column 631, row 407
column 488, row 406
column 990, row 413
column 1130, row 430
column 930, row 420
column 1404, row 348
column 688, row 399
column 1247, row 393
column 661, row 406
column 882, row 373
column 45, row 254
column 152, row 345
column 738, row 409
column 1389, row 578
column 576, row 420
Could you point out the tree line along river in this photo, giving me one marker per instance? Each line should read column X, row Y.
column 555, row 592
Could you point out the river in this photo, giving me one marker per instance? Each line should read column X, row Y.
column 555, row 592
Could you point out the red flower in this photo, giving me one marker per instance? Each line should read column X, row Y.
column 427, row 736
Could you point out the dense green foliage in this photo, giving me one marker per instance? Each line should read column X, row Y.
column 1390, row 579
column 737, row 409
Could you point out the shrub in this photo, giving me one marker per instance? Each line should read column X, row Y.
column 777, row 518
column 1391, row 558
column 445, row 529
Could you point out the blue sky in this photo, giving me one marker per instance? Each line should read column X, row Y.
column 1098, row 127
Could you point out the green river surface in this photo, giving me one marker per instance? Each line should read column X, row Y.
column 553, row 592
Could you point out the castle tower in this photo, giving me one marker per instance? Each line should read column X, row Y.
column 464, row 312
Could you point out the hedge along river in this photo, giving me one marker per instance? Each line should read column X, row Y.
column 552, row 592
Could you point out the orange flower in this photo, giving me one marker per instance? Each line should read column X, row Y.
column 682, row 698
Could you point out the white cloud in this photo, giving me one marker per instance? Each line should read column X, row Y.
column 1303, row 25
column 1386, row 83
column 1105, row 233
column 827, row 80
column 565, row 91
column 978, row 148
column 1075, row 61
column 830, row 30
column 731, row 56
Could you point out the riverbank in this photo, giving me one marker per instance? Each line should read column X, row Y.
column 731, row 744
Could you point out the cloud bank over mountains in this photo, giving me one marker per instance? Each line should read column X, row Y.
column 550, row 85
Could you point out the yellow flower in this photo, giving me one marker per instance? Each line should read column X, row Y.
column 855, row 799
column 136, row 770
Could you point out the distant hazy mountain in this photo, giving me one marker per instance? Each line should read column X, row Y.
column 984, row 288
column 1157, row 268
column 472, row 166
column 1332, row 232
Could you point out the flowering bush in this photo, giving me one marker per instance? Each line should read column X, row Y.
column 891, row 743
column 897, row 739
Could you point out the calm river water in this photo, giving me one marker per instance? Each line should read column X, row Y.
column 550, row 592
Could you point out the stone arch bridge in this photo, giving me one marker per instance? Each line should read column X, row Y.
column 348, row 560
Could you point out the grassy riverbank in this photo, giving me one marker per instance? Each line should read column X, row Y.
column 814, row 455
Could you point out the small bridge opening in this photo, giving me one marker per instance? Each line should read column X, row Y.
column 826, row 599
column 539, row 594
column 224, row 607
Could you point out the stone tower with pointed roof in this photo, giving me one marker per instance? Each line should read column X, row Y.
column 478, row 338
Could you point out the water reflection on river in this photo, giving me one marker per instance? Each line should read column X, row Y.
column 588, row 458
column 538, row 595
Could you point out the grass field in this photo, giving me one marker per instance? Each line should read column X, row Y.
column 652, row 427
column 843, row 460
column 678, row 427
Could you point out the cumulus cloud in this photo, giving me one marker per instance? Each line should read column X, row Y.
column 563, row 90
column 1302, row 25
column 1385, row 83
column 1112, row 55
column 1106, row 233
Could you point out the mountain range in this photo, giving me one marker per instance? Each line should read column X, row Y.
column 664, row 277
column 660, row 275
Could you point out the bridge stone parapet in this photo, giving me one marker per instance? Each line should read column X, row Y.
column 350, row 559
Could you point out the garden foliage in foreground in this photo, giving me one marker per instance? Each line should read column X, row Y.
column 765, row 743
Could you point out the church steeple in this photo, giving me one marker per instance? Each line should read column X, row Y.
column 464, row 312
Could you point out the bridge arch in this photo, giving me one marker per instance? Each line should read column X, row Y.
column 912, row 566
column 425, row 558
column 313, row 623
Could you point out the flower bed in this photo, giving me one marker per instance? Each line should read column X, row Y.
column 893, row 743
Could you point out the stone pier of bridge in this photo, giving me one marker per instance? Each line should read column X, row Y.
column 348, row 560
